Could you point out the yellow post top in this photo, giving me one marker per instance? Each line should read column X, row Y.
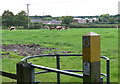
column 91, row 47
column 91, row 34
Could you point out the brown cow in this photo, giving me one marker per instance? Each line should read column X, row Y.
column 59, row 27
column 51, row 28
column 66, row 27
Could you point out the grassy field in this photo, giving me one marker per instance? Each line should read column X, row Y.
column 70, row 40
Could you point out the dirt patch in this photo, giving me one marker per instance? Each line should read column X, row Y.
column 30, row 49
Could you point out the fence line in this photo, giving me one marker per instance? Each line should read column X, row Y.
column 10, row 75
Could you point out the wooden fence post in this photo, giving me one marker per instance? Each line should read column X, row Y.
column 25, row 73
column 91, row 58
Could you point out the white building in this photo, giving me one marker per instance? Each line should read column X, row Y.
column 84, row 20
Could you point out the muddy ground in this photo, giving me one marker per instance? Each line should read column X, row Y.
column 30, row 49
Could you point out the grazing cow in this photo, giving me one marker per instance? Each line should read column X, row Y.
column 12, row 28
column 66, row 27
column 59, row 27
column 51, row 28
column 46, row 27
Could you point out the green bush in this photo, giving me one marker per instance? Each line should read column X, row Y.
column 92, row 25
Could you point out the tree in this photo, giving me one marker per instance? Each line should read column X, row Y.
column 8, row 18
column 67, row 19
column 47, row 18
column 104, row 18
column 21, row 19
column 111, row 20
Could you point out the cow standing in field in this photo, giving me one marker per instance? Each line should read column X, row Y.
column 51, row 28
column 12, row 28
column 46, row 27
column 66, row 27
column 59, row 27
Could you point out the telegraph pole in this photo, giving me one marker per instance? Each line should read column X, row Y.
column 28, row 15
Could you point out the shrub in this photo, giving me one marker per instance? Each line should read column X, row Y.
column 92, row 25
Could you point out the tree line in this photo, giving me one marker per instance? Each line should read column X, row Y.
column 9, row 19
column 20, row 20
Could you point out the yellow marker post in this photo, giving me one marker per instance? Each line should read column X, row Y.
column 91, row 58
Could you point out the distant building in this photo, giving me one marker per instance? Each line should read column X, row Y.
column 46, row 22
column 84, row 20
column 38, row 19
column 35, row 20
column 52, row 22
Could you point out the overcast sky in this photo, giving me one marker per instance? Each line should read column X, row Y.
column 62, row 7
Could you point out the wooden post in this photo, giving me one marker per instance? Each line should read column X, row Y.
column 91, row 58
column 25, row 73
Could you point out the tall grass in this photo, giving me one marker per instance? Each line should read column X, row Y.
column 70, row 40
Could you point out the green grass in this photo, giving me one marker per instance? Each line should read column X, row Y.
column 70, row 40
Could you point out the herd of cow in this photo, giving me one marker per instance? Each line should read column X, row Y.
column 48, row 27
column 56, row 27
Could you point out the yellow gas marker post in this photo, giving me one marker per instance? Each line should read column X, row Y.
column 91, row 58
